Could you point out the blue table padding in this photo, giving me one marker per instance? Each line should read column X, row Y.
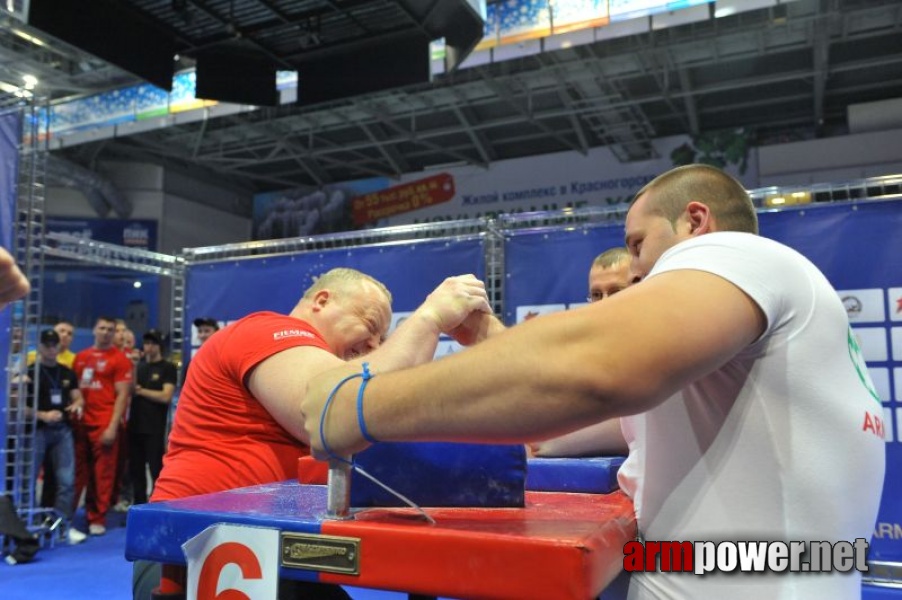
column 875, row 592
column 155, row 531
column 442, row 474
column 587, row 475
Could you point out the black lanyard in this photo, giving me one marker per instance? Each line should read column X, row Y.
column 55, row 381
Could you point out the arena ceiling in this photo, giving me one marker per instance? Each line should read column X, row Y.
column 786, row 72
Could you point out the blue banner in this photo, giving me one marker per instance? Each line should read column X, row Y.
column 859, row 249
column 228, row 291
column 81, row 293
column 547, row 271
column 140, row 234
column 857, row 246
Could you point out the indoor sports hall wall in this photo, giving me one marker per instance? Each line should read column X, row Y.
column 858, row 247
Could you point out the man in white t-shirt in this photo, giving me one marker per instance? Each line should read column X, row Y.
column 746, row 399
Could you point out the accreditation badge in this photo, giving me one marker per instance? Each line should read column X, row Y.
column 56, row 397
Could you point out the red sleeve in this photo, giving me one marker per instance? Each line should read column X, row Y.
column 257, row 337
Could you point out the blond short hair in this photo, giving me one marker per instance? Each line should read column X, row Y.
column 729, row 202
column 343, row 278
column 612, row 257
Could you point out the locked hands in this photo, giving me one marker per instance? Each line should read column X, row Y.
column 454, row 301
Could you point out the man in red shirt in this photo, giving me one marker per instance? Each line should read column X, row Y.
column 105, row 377
column 239, row 421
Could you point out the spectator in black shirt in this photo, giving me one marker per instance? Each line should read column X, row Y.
column 58, row 399
column 154, row 385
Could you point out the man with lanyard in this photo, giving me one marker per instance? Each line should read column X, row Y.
column 65, row 357
column 57, row 399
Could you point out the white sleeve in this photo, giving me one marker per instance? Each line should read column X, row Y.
column 774, row 276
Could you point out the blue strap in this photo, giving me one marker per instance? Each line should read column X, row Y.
column 322, row 419
column 366, row 376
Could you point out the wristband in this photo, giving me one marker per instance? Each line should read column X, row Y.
column 365, row 376
column 322, row 421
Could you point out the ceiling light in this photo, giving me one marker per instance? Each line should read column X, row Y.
column 14, row 90
column 787, row 199
column 28, row 37
column 30, row 81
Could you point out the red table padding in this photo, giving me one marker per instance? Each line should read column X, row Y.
column 559, row 547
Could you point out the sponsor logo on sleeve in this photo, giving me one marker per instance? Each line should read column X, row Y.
column 291, row 333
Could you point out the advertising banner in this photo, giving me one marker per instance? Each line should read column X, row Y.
column 536, row 183
column 402, row 198
column 140, row 234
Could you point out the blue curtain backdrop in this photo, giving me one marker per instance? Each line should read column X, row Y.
column 10, row 136
column 228, row 291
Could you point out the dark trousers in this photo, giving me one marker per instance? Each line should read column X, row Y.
column 144, row 450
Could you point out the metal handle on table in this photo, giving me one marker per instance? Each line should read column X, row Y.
column 338, row 498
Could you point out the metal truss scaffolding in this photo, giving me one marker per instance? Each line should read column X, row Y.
column 25, row 314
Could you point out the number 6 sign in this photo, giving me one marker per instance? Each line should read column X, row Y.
column 233, row 562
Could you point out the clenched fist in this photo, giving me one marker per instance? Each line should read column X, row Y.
column 454, row 300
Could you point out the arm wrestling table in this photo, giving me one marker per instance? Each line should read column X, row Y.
column 565, row 546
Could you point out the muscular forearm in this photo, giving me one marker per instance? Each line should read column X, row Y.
column 413, row 343
column 500, row 390
column 490, row 392
column 558, row 373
